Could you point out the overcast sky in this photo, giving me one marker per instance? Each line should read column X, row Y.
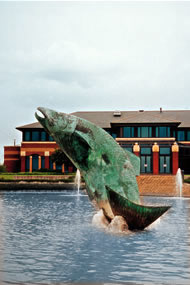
column 72, row 56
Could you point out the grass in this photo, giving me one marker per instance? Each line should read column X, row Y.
column 8, row 177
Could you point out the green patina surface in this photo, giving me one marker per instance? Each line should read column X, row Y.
column 101, row 161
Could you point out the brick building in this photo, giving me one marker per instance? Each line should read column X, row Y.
column 160, row 138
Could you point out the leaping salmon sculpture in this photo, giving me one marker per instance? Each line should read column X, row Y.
column 108, row 170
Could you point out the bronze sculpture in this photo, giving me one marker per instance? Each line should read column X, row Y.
column 108, row 170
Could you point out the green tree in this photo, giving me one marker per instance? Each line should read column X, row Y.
column 59, row 157
column 2, row 168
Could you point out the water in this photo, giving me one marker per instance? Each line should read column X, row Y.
column 49, row 238
column 77, row 181
column 179, row 183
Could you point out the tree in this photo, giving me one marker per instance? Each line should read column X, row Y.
column 3, row 168
column 59, row 157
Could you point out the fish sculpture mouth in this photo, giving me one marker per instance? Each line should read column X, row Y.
column 43, row 114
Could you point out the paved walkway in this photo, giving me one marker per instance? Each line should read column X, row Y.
column 160, row 185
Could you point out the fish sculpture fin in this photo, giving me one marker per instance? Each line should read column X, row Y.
column 137, row 216
column 79, row 147
column 135, row 161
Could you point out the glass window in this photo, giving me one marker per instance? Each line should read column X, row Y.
column 146, row 160
column 35, row 135
column 162, row 132
column 114, row 135
column 129, row 149
column 27, row 136
column 188, row 135
column 43, row 162
column 43, row 136
column 128, row 132
column 145, row 150
column 180, row 135
column 50, row 164
column 27, row 163
column 51, row 139
column 144, row 132
column 165, row 150
column 58, row 167
column 165, row 164
column 34, row 162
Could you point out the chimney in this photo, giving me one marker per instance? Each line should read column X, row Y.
column 117, row 113
column 160, row 109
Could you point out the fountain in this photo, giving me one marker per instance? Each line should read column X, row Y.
column 179, row 183
column 108, row 170
column 77, row 181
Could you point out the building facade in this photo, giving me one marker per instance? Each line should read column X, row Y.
column 160, row 138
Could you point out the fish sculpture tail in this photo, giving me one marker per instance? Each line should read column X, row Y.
column 137, row 216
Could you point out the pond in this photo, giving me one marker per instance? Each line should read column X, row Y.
column 49, row 238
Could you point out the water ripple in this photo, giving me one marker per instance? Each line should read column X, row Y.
column 49, row 238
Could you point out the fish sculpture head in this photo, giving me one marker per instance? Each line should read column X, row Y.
column 63, row 128
column 55, row 123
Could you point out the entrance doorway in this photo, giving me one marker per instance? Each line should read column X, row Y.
column 146, row 160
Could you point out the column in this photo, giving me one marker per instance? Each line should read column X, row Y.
column 30, row 163
column 46, row 154
column 63, row 168
column 70, row 168
column 39, row 162
column 54, row 166
column 136, row 149
column 23, row 161
column 155, row 151
column 175, row 158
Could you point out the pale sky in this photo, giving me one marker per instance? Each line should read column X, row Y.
column 74, row 56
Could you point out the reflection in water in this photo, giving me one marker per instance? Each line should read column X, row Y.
column 49, row 238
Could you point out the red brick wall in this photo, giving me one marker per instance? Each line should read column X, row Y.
column 12, row 158
column 12, row 165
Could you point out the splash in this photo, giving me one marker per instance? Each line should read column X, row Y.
column 179, row 183
column 77, row 181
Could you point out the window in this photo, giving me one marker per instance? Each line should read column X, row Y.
column 43, row 136
column 35, row 162
column 128, row 132
column 50, row 164
column 43, row 162
column 51, row 139
column 27, row 136
column 146, row 160
column 144, row 132
column 114, row 135
column 35, row 135
column 180, row 135
column 165, row 150
column 27, row 163
column 128, row 149
column 188, row 135
column 165, row 160
column 162, row 132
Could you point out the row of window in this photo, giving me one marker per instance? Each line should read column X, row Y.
column 36, row 136
column 35, row 162
column 146, row 159
column 148, row 150
column 158, row 132
column 128, row 132
column 145, row 163
column 146, row 132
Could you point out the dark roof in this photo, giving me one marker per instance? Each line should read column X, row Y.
column 104, row 119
